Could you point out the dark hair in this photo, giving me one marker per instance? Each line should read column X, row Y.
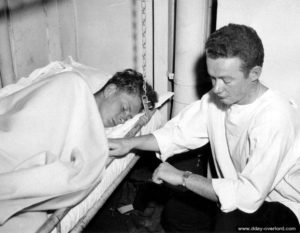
column 131, row 82
column 239, row 41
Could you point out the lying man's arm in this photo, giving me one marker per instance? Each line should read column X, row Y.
column 120, row 147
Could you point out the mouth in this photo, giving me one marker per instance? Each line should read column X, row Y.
column 221, row 97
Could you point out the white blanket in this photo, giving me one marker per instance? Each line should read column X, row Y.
column 52, row 145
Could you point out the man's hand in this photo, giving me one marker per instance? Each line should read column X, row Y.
column 197, row 183
column 165, row 172
column 118, row 147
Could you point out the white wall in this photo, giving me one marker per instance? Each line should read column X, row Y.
column 101, row 33
column 106, row 34
column 277, row 22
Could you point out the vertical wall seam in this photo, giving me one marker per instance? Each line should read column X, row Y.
column 153, row 49
column 62, row 51
column 76, row 29
column 47, row 31
column 171, row 31
column 1, row 82
column 11, row 41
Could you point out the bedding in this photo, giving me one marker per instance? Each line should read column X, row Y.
column 51, row 138
column 79, row 216
column 46, row 161
column 50, row 174
column 75, row 219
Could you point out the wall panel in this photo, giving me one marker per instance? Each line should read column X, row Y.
column 106, row 34
column 28, row 37
column 52, row 27
column 109, row 34
column 101, row 33
column 67, row 29
column 7, row 73
column 98, row 26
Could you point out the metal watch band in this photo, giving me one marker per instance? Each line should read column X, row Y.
column 185, row 176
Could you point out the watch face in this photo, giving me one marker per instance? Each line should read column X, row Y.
column 185, row 175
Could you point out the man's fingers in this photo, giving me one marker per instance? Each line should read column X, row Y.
column 155, row 177
column 157, row 181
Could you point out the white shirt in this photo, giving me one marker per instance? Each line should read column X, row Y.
column 253, row 146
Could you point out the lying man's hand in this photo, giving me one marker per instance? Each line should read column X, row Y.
column 118, row 147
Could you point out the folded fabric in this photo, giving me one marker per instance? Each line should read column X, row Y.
column 52, row 144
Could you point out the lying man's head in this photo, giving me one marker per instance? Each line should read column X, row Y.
column 121, row 97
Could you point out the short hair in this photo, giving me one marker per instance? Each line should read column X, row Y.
column 132, row 82
column 236, row 40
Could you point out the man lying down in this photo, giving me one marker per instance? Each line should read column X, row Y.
column 52, row 143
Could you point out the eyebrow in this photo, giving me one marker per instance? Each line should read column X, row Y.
column 226, row 77
column 222, row 77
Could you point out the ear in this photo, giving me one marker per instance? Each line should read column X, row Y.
column 255, row 73
column 109, row 90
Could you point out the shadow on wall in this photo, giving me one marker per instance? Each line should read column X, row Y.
column 203, row 82
column 23, row 5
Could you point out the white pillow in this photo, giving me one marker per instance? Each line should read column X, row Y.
column 155, row 122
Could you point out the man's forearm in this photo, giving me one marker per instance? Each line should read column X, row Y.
column 198, row 184
column 202, row 186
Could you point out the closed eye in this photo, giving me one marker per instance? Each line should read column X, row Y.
column 124, row 109
column 225, row 80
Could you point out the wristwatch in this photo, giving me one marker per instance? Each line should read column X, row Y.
column 185, row 176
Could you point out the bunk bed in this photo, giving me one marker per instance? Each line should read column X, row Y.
column 75, row 218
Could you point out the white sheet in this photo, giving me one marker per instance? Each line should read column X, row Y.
column 51, row 138
column 114, row 170
column 84, row 110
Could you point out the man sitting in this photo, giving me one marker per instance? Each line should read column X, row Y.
column 254, row 138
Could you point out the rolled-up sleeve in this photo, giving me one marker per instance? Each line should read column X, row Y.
column 188, row 130
column 270, row 142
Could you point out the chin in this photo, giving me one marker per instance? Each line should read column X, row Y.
column 223, row 100
column 226, row 102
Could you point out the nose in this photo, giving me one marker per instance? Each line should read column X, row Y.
column 217, row 86
column 124, row 117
